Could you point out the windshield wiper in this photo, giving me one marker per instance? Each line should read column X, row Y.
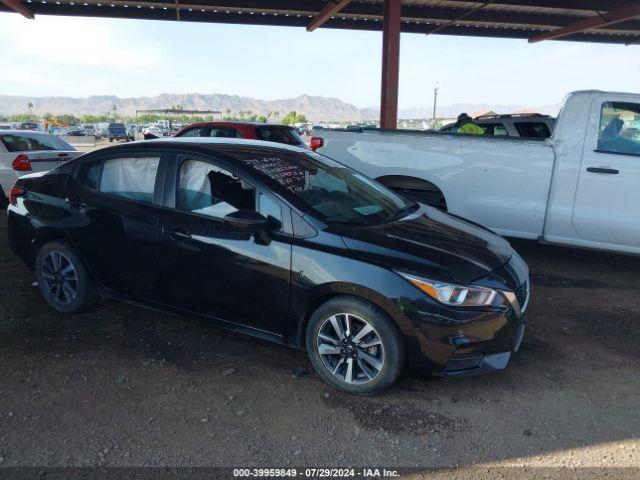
column 403, row 212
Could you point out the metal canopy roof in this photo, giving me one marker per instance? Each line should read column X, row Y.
column 606, row 21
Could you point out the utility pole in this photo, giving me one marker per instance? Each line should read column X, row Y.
column 435, row 105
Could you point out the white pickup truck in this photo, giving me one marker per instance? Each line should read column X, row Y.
column 580, row 187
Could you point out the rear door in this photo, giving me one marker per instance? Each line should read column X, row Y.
column 608, row 193
column 114, row 216
column 210, row 270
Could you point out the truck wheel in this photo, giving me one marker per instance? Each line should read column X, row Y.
column 354, row 346
column 63, row 279
column 110, row 139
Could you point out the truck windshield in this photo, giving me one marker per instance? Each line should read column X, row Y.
column 333, row 191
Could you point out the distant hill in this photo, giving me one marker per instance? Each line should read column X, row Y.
column 315, row 108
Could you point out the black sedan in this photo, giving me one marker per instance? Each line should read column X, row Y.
column 280, row 243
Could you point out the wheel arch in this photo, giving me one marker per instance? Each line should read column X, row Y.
column 408, row 182
column 324, row 293
column 412, row 187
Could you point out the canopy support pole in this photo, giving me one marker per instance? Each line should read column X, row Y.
column 390, row 64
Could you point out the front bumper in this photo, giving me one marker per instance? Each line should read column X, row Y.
column 461, row 365
column 456, row 342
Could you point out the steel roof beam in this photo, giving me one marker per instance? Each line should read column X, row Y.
column 330, row 9
column 622, row 14
column 18, row 7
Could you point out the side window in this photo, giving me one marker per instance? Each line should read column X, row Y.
column 89, row 174
column 619, row 128
column 532, row 129
column 210, row 190
column 194, row 132
column 224, row 132
column 132, row 178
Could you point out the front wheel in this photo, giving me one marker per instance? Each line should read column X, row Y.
column 354, row 346
column 62, row 278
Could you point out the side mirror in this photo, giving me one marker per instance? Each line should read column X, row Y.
column 248, row 221
column 316, row 143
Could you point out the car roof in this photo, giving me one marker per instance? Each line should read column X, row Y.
column 240, row 123
column 215, row 141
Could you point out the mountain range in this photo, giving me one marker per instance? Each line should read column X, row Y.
column 315, row 108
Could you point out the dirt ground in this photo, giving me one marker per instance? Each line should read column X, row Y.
column 120, row 385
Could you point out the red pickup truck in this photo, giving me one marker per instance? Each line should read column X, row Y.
column 251, row 130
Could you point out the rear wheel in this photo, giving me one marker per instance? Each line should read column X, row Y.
column 62, row 278
column 354, row 346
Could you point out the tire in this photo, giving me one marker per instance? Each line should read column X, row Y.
column 111, row 140
column 68, row 291
column 433, row 198
column 374, row 367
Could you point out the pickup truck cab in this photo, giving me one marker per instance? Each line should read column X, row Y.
column 250, row 130
column 581, row 187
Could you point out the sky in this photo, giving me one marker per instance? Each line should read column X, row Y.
column 80, row 57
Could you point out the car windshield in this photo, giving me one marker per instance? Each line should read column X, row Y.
column 333, row 191
column 26, row 143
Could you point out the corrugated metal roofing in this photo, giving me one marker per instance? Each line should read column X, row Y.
column 497, row 18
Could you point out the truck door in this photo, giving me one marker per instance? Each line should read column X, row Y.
column 608, row 192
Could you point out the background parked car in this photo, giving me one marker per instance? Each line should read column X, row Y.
column 102, row 130
column 75, row 131
column 514, row 125
column 23, row 152
column 29, row 126
column 117, row 131
column 250, row 130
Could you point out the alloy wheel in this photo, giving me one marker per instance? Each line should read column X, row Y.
column 60, row 278
column 350, row 348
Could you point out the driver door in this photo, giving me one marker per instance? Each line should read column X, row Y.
column 206, row 268
column 608, row 194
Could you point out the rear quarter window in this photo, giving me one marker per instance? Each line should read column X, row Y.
column 278, row 135
column 532, row 129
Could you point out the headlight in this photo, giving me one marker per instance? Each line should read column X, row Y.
column 455, row 295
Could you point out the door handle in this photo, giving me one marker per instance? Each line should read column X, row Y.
column 176, row 233
column 611, row 171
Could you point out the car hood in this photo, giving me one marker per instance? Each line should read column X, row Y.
column 430, row 242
